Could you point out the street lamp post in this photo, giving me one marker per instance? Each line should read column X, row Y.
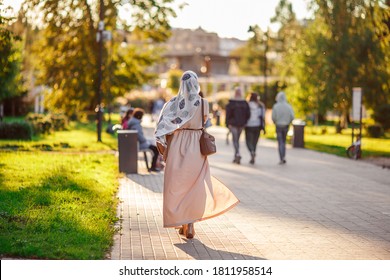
column 265, row 38
column 99, row 108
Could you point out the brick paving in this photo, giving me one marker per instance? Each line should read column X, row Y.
column 316, row 207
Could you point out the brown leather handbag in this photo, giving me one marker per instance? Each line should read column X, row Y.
column 206, row 141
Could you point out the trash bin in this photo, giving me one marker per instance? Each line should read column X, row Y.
column 298, row 134
column 128, row 151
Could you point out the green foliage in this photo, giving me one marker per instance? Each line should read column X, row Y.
column 174, row 76
column 70, row 61
column 252, row 60
column 10, row 60
column 382, row 115
column 375, row 130
column 45, row 123
column 60, row 121
column 288, row 35
column 16, row 130
column 344, row 46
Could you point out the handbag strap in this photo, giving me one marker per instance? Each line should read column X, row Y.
column 201, row 119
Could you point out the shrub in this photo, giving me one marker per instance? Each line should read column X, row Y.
column 43, row 124
column 382, row 116
column 375, row 130
column 60, row 122
column 16, row 130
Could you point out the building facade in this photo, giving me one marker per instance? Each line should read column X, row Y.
column 203, row 52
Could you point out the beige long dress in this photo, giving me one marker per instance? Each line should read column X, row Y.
column 191, row 194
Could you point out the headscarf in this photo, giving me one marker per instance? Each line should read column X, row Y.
column 180, row 109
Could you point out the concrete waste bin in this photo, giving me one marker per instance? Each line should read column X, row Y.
column 298, row 140
column 128, row 151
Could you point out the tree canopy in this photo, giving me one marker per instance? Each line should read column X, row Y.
column 10, row 59
column 344, row 45
column 67, row 48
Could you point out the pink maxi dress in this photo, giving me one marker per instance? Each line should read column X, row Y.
column 191, row 194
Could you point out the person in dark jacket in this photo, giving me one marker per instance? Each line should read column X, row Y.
column 237, row 115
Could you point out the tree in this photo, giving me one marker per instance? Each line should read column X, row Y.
column 288, row 35
column 10, row 60
column 253, row 58
column 374, row 54
column 310, row 70
column 346, row 45
column 173, row 83
column 251, row 54
column 68, row 50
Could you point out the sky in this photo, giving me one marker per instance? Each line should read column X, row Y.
column 228, row 18
column 231, row 18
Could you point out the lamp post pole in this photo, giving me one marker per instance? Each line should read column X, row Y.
column 265, row 67
column 98, row 109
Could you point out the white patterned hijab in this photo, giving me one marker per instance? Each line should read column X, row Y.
column 181, row 108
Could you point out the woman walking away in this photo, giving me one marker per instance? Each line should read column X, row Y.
column 191, row 194
column 255, row 124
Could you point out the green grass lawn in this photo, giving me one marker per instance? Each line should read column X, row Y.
column 78, row 137
column 333, row 143
column 58, row 202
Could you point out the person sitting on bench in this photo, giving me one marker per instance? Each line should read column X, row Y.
column 135, row 124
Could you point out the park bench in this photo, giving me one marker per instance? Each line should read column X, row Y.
column 145, row 153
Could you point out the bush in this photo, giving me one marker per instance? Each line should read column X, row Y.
column 382, row 116
column 16, row 130
column 375, row 130
column 60, row 122
column 43, row 124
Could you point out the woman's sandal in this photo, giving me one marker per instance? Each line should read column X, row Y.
column 183, row 230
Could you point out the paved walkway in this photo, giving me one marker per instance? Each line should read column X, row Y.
column 316, row 207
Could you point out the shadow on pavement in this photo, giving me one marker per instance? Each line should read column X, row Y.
column 151, row 181
column 199, row 251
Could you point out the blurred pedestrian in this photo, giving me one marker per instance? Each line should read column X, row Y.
column 282, row 116
column 157, row 107
column 191, row 194
column 255, row 124
column 135, row 124
column 237, row 115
